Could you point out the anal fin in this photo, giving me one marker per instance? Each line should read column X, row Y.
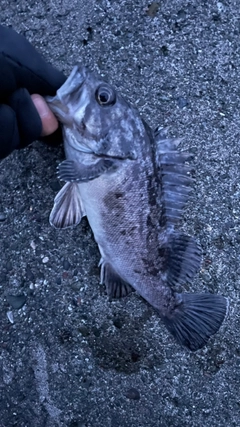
column 115, row 285
column 68, row 208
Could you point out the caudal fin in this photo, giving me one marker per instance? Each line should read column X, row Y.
column 196, row 318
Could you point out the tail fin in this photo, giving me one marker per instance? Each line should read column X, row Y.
column 196, row 318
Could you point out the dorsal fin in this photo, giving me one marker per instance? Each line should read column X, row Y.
column 175, row 177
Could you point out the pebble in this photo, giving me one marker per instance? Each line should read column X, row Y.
column 45, row 259
column 76, row 286
column 118, row 323
column 97, row 332
column 2, row 217
column 66, row 264
column 9, row 266
column 84, row 330
column 182, row 102
column 16, row 301
column 133, row 394
column 10, row 316
column 153, row 9
column 206, row 277
column 58, row 280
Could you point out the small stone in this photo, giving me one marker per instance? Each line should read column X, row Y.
column 97, row 332
column 10, row 316
column 66, row 264
column 181, row 14
column 58, row 280
column 45, row 260
column 118, row 323
column 84, row 330
column 16, row 301
column 182, row 102
column 2, row 217
column 9, row 266
column 33, row 245
column 76, row 286
column 153, row 9
column 206, row 277
column 133, row 394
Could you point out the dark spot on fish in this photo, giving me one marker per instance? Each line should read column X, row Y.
column 118, row 195
column 132, row 230
column 115, row 203
column 164, row 255
column 151, row 185
column 153, row 271
column 149, row 221
column 104, row 145
column 162, row 252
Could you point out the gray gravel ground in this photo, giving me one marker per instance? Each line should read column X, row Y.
column 70, row 357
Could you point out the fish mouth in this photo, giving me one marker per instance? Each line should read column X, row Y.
column 84, row 148
column 59, row 104
column 73, row 83
column 79, row 145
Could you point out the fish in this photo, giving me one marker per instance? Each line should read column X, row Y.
column 132, row 183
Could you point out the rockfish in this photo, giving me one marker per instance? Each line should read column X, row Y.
column 132, row 183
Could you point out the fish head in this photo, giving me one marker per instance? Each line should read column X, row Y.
column 98, row 118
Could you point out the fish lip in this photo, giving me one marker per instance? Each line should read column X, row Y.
column 76, row 145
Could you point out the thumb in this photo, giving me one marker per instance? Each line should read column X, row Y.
column 49, row 121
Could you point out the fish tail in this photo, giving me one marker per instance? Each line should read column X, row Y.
column 196, row 318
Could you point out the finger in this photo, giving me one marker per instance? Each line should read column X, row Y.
column 49, row 121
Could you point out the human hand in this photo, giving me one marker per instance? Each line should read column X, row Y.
column 24, row 77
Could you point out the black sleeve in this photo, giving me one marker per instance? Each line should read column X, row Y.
column 23, row 71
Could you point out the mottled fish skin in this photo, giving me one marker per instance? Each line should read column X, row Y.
column 132, row 184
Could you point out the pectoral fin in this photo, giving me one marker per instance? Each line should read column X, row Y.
column 72, row 171
column 116, row 286
column 68, row 208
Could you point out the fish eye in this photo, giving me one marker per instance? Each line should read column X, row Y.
column 105, row 95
